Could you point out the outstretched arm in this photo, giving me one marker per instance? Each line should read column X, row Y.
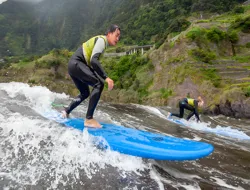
column 195, row 112
column 96, row 65
column 94, row 60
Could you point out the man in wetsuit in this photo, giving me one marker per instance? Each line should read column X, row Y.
column 85, row 70
column 189, row 104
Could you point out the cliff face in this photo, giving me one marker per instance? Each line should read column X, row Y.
column 177, row 68
column 237, row 109
column 210, row 59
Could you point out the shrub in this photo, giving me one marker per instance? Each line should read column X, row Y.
column 48, row 63
column 248, row 45
column 63, row 52
column 211, row 75
column 201, row 55
column 175, row 59
column 233, row 36
column 195, row 33
column 32, row 81
column 126, row 66
column 159, row 43
column 4, row 65
column 55, row 52
column 242, row 59
column 66, row 53
column 143, row 92
column 171, row 45
column 247, row 91
column 28, row 59
column 242, row 24
column 178, row 25
column 165, row 93
column 239, row 10
column 53, row 63
column 215, row 35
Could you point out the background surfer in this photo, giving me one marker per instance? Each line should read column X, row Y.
column 189, row 104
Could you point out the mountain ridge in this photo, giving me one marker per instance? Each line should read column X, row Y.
column 188, row 59
column 38, row 28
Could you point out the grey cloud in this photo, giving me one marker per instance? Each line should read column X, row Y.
column 1, row 1
column 32, row 1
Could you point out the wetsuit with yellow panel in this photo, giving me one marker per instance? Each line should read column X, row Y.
column 189, row 104
column 85, row 69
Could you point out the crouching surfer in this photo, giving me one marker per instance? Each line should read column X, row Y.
column 189, row 104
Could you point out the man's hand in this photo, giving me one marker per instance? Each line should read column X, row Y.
column 110, row 83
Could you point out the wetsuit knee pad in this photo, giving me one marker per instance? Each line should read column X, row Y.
column 84, row 96
column 99, row 86
column 182, row 104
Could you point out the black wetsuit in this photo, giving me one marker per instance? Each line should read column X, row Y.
column 183, row 104
column 83, row 76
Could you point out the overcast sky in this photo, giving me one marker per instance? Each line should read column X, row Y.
column 22, row 0
column 2, row 1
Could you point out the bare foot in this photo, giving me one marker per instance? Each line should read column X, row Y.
column 169, row 115
column 92, row 123
column 64, row 114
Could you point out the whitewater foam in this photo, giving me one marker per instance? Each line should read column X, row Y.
column 34, row 149
column 203, row 126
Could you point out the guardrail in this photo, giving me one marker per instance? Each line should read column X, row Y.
column 134, row 49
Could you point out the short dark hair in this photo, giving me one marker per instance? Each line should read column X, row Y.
column 112, row 28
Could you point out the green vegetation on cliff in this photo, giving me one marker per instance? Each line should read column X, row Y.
column 192, row 55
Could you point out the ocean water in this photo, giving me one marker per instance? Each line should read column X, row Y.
column 37, row 153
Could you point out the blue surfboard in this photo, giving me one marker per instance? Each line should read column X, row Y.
column 176, row 121
column 141, row 143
